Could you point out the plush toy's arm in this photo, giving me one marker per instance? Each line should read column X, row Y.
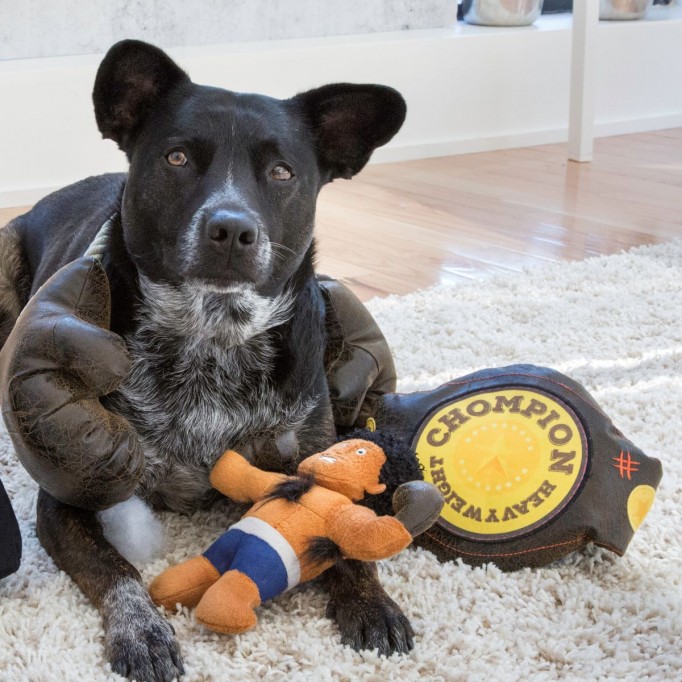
column 361, row 534
column 235, row 477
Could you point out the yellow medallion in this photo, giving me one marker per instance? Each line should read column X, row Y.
column 506, row 461
column 639, row 503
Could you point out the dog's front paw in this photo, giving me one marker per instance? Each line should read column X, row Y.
column 140, row 643
column 372, row 621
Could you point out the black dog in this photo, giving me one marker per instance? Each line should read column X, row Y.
column 214, row 293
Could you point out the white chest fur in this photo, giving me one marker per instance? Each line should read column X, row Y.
column 201, row 382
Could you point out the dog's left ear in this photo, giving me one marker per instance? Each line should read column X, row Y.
column 349, row 122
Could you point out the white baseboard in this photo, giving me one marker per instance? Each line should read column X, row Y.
column 25, row 197
column 638, row 125
column 468, row 89
column 428, row 150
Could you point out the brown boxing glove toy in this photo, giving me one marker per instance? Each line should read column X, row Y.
column 58, row 360
column 298, row 527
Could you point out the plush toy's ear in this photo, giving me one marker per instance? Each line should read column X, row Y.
column 349, row 122
column 133, row 77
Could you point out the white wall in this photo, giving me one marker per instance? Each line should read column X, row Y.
column 468, row 89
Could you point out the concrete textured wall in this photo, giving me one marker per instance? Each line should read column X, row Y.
column 48, row 28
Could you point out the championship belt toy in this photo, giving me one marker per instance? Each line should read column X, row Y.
column 529, row 466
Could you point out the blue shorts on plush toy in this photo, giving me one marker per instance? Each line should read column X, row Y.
column 256, row 549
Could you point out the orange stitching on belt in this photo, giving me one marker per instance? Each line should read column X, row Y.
column 523, row 551
column 605, row 545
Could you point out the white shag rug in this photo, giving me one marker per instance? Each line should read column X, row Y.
column 613, row 323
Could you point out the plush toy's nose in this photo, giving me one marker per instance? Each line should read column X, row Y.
column 375, row 488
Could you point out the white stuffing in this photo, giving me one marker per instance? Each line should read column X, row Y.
column 133, row 529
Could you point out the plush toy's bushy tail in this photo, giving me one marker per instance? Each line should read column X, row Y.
column 401, row 466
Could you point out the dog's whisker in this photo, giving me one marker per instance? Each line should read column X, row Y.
column 275, row 245
column 279, row 256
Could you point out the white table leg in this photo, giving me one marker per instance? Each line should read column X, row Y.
column 583, row 75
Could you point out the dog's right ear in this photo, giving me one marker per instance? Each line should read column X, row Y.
column 132, row 78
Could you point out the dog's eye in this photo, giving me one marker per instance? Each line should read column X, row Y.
column 361, row 451
column 281, row 172
column 176, row 158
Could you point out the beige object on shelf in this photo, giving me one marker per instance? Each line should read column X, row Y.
column 624, row 9
column 502, row 12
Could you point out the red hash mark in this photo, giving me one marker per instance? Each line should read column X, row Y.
column 626, row 465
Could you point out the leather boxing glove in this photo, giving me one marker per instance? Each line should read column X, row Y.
column 57, row 362
column 358, row 360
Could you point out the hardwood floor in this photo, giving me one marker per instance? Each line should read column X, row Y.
column 404, row 226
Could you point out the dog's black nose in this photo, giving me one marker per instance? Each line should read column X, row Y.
column 228, row 230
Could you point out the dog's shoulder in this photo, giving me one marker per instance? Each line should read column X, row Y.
column 59, row 228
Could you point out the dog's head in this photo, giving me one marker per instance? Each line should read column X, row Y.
column 222, row 186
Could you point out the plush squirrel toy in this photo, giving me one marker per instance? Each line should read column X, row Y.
column 298, row 527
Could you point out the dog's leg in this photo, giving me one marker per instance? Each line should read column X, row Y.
column 140, row 644
column 367, row 617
